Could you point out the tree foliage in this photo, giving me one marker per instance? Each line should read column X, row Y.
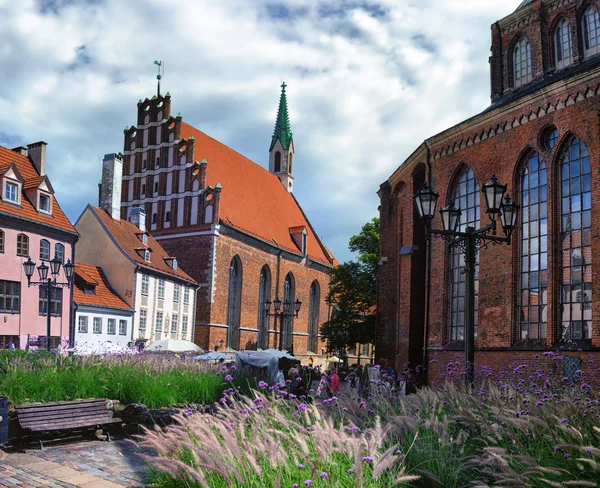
column 353, row 293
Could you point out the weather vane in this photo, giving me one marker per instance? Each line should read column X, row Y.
column 161, row 71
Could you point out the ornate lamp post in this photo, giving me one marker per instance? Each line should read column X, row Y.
column 49, row 282
column 287, row 312
column 470, row 241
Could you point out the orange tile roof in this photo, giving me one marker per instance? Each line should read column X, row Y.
column 253, row 199
column 127, row 234
column 104, row 295
column 32, row 178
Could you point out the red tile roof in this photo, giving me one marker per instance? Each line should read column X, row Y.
column 32, row 178
column 104, row 295
column 253, row 199
column 127, row 237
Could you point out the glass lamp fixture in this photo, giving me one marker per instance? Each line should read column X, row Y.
column 450, row 217
column 426, row 200
column 493, row 193
column 508, row 215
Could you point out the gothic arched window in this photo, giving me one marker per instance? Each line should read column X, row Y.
column 287, row 327
column 467, row 198
column 277, row 167
column 522, row 62
column 576, row 241
column 313, row 317
column 591, row 31
column 234, row 303
column 533, row 316
column 563, row 44
column 264, row 294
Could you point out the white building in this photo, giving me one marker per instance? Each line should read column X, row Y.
column 103, row 321
column 139, row 270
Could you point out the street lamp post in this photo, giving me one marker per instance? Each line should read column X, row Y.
column 470, row 241
column 49, row 283
column 287, row 312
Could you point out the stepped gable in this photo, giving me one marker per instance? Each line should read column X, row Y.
column 253, row 200
column 89, row 276
column 127, row 237
column 31, row 179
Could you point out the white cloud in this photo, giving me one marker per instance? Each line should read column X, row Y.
column 368, row 82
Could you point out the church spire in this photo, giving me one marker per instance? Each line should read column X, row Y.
column 282, row 130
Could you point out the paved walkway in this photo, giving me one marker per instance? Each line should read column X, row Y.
column 86, row 464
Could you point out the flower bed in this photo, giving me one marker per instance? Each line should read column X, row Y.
column 154, row 380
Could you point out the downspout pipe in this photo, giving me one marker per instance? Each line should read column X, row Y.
column 425, row 364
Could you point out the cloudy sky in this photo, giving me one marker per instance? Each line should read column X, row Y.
column 368, row 81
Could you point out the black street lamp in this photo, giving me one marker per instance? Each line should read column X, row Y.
column 287, row 312
column 49, row 282
column 470, row 241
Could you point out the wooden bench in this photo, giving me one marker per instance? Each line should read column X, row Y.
column 43, row 418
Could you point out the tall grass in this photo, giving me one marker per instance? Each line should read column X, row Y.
column 157, row 381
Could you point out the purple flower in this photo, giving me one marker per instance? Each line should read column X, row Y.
column 233, row 368
column 223, row 368
column 228, row 378
column 368, row 459
column 302, row 407
column 323, row 475
column 355, row 429
column 223, row 400
column 351, row 471
column 363, row 405
column 567, row 455
column 295, row 485
column 564, row 421
column 308, row 483
column 262, row 385
column 300, row 466
column 245, row 411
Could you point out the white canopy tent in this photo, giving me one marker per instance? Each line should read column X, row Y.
column 173, row 345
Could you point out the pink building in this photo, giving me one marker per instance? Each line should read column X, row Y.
column 31, row 225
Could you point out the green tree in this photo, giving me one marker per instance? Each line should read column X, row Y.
column 353, row 293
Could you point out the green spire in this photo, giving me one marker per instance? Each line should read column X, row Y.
column 282, row 130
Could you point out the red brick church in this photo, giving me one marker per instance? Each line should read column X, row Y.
column 541, row 137
column 234, row 226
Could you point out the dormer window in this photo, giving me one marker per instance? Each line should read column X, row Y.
column 145, row 239
column 563, row 44
column 522, row 63
column 175, row 267
column 591, row 31
column 171, row 262
column 45, row 203
column 11, row 192
column 147, row 255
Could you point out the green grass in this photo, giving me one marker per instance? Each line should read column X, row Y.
column 157, row 381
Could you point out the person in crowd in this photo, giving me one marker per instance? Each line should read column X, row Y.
column 297, row 386
column 333, row 382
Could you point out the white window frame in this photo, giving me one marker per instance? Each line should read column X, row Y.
column 45, row 257
column 176, row 292
column 143, row 319
column 145, row 284
column 82, row 324
column 161, row 289
column 184, row 325
column 159, row 321
column 587, row 39
column 174, row 323
column 147, row 255
column 122, row 327
column 49, row 199
column 186, row 296
column 8, row 194
column 111, row 327
column 97, row 326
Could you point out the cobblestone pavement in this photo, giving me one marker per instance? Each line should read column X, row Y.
column 87, row 464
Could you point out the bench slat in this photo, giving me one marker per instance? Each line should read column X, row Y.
column 71, row 416
column 65, row 406
column 56, row 404
column 47, row 427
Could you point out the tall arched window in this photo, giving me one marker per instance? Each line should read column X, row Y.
column 563, row 44
column 576, row 242
column 234, row 303
column 287, row 326
column 277, row 168
column 591, row 31
column 59, row 252
column 264, row 294
column 466, row 197
column 22, row 245
column 534, row 248
column 522, row 62
column 313, row 317
column 44, row 250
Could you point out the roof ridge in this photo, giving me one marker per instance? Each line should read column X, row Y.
column 283, row 130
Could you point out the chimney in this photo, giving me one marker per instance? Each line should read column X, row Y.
column 137, row 216
column 22, row 150
column 37, row 154
column 110, row 187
